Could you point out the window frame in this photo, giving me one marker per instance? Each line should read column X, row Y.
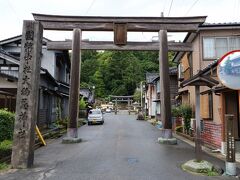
column 215, row 53
column 210, row 104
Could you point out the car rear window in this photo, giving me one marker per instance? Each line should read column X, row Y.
column 95, row 112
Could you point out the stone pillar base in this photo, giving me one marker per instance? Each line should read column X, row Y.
column 231, row 169
column 72, row 136
column 171, row 141
column 70, row 140
column 197, row 167
column 166, row 137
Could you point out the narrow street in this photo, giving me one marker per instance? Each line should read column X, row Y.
column 121, row 149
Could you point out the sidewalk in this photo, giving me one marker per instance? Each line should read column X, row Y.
column 209, row 151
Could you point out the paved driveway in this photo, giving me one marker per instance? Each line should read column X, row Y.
column 121, row 149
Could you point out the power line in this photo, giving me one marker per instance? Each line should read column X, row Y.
column 191, row 7
column 13, row 10
column 93, row 1
column 165, row 2
column 170, row 7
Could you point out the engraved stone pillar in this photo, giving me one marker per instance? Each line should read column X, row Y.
column 165, row 90
column 27, row 95
column 72, row 131
column 231, row 168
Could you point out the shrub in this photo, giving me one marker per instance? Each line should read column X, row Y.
column 82, row 104
column 179, row 129
column 176, row 112
column 6, row 124
column 5, row 148
column 62, row 124
column 186, row 112
column 4, row 166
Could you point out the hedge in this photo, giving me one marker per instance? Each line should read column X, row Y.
column 5, row 148
column 6, row 125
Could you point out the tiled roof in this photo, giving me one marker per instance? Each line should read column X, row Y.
column 209, row 67
column 172, row 70
column 221, row 24
column 151, row 76
column 18, row 38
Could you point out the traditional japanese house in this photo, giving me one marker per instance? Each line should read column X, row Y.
column 54, row 80
column 210, row 43
column 153, row 92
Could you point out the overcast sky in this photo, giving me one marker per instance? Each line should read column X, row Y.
column 13, row 12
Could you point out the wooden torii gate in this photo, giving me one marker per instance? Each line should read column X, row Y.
column 117, row 99
column 31, row 46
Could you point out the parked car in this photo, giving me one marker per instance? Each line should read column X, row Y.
column 95, row 116
column 108, row 110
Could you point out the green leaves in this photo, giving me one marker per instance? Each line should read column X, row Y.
column 82, row 104
column 117, row 72
column 6, row 124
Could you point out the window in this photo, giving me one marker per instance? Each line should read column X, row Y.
column 216, row 47
column 207, row 106
column 14, row 68
column 16, row 54
column 208, row 48
column 4, row 68
column 180, row 72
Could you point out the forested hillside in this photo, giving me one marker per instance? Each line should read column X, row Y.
column 116, row 72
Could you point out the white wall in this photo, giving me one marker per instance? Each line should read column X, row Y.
column 153, row 110
column 158, row 107
column 48, row 61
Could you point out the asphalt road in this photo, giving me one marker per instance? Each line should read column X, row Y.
column 121, row 149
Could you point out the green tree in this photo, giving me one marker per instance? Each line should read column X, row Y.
column 117, row 72
column 97, row 81
column 137, row 95
column 88, row 54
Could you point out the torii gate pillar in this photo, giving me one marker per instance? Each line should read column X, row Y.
column 167, row 137
column 72, row 131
